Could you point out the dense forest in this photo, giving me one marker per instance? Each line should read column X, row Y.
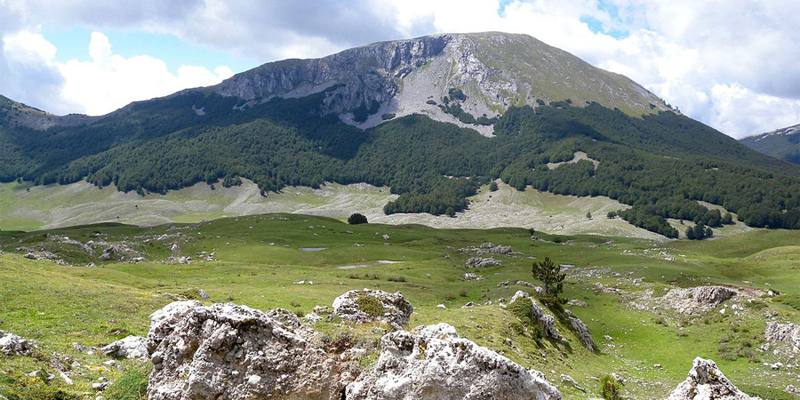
column 660, row 164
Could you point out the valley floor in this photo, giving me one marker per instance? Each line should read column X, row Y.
column 28, row 207
column 616, row 286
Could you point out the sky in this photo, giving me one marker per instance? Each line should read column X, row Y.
column 731, row 64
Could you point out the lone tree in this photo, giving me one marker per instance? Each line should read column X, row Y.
column 551, row 276
column 356, row 219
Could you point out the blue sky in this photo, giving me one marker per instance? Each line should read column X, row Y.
column 73, row 43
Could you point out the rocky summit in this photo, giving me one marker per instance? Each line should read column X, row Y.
column 482, row 73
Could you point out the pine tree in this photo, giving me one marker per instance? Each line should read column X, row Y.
column 551, row 276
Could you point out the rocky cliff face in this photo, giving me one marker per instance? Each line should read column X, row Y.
column 455, row 78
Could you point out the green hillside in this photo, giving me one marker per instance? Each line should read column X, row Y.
column 783, row 144
column 617, row 287
column 658, row 163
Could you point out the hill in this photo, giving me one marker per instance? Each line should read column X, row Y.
column 433, row 118
column 783, row 144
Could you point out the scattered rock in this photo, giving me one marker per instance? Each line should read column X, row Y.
column 519, row 283
column 791, row 389
column 788, row 334
column 706, row 382
column 470, row 276
column 539, row 313
column 235, row 352
column 202, row 294
column 567, row 380
column 368, row 305
column 434, row 363
column 576, row 303
column 129, row 347
column 697, row 299
column 487, row 248
column 480, row 262
column 13, row 345
column 581, row 331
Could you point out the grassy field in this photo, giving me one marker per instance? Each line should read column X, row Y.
column 27, row 207
column 259, row 259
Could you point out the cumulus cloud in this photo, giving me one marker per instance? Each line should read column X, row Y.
column 103, row 83
column 109, row 81
column 730, row 64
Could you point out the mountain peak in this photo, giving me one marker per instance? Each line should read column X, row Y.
column 458, row 78
column 781, row 143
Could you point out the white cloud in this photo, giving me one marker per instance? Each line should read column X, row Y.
column 105, row 82
column 109, row 81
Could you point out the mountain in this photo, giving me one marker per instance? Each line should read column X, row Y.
column 433, row 118
column 783, row 143
column 492, row 72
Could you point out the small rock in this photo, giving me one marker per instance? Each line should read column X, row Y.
column 441, row 306
column 479, row 262
column 395, row 309
column 13, row 345
column 567, row 380
column 129, row 347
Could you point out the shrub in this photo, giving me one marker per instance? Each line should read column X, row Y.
column 493, row 186
column 356, row 219
column 397, row 278
column 370, row 305
column 610, row 388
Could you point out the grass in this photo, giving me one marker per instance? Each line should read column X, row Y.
column 259, row 260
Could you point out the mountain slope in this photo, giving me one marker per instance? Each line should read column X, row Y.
column 782, row 144
column 433, row 118
column 494, row 70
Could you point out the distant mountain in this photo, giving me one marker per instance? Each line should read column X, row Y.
column 783, row 143
column 433, row 118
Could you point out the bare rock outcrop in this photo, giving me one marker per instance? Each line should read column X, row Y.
column 481, row 262
column 698, row 299
column 581, row 331
column 783, row 333
column 129, row 347
column 13, row 345
column 236, row 353
column 433, row 363
column 539, row 314
column 706, row 382
column 369, row 305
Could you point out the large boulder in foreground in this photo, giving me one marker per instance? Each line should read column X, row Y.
column 433, row 363
column 233, row 352
column 13, row 345
column 698, row 299
column 369, row 305
column 786, row 334
column 706, row 382
column 129, row 347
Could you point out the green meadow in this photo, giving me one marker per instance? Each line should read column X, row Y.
column 261, row 260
